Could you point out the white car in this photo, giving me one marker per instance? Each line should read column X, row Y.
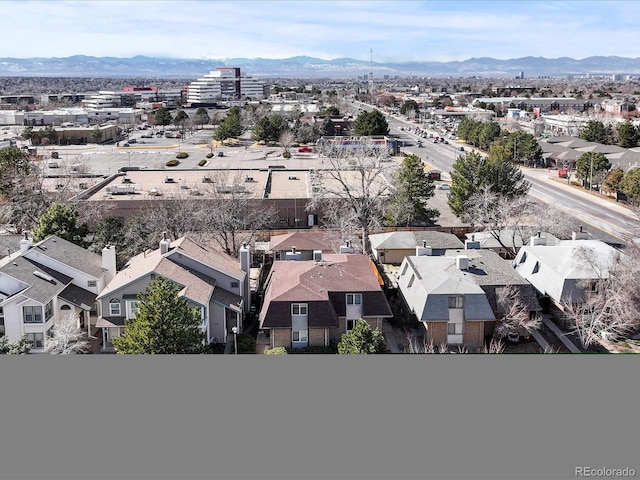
column 443, row 186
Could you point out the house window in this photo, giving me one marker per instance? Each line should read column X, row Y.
column 235, row 284
column 454, row 328
column 536, row 268
column 48, row 311
column 404, row 269
column 92, row 284
column 523, row 258
column 413, row 277
column 132, row 309
column 351, row 323
column 300, row 336
column 1, row 321
column 114, row 308
column 35, row 339
column 32, row 314
column 455, row 302
column 299, row 309
column 354, row 299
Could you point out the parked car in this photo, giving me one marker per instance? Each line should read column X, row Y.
column 304, row 150
column 126, row 145
column 146, row 135
column 443, row 186
column 53, row 165
column 221, row 154
column 461, row 149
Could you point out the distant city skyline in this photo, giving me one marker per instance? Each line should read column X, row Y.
column 396, row 31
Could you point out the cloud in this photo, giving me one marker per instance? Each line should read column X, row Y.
column 400, row 31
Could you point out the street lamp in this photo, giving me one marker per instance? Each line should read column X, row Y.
column 235, row 339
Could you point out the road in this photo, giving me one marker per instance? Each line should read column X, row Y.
column 603, row 219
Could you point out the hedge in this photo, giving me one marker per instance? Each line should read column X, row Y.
column 182, row 155
column 173, row 163
column 209, row 155
column 202, row 163
column 276, row 351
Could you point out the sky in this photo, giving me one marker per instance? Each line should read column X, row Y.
column 387, row 31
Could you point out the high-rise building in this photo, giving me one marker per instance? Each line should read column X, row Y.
column 224, row 83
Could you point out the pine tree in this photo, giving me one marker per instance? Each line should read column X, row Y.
column 164, row 323
column 408, row 202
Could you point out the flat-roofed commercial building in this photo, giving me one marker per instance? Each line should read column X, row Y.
column 224, row 83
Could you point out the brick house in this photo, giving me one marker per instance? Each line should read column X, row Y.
column 455, row 296
column 314, row 302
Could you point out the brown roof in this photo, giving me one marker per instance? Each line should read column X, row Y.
column 300, row 240
column 206, row 251
column 322, row 285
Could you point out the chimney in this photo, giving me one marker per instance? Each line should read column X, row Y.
column 109, row 262
column 293, row 254
column 471, row 244
column 538, row 240
column 164, row 244
column 25, row 243
column 462, row 262
column 347, row 248
column 317, row 255
column 424, row 250
column 245, row 266
column 581, row 235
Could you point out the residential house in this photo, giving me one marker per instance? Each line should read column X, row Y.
column 302, row 244
column 212, row 281
column 559, row 271
column 44, row 282
column 314, row 302
column 454, row 296
column 508, row 240
column 393, row 247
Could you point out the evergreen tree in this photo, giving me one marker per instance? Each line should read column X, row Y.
column 413, row 188
column 627, row 135
column 591, row 166
column 630, row 185
column 201, row 117
column 61, row 220
column 231, row 126
column 164, row 324
column 162, row 116
column 362, row 340
column 327, row 128
column 370, row 123
column 473, row 173
column 596, row 131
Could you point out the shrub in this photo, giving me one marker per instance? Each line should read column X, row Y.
column 246, row 344
column 329, row 350
column 173, row 163
column 209, row 155
column 202, row 163
column 286, row 155
column 182, row 155
column 276, row 351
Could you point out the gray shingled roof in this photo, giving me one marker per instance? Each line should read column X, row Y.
column 404, row 240
column 439, row 277
column 39, row 289
column 70, row 254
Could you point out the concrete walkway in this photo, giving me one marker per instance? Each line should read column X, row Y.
column 558, row 333
column 541, row 341
column 390, row 337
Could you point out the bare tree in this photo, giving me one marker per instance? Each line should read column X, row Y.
column 286, row 140
column 610, row 309
column 230, row 213
column 68, row 338
column 355, row 182
column 517, row 219
column 514, row 316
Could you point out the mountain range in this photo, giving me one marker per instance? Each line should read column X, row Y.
column 310, row 67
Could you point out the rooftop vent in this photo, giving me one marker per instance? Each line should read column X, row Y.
column 293, row 177
column 44, row 276
column 169, row 180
